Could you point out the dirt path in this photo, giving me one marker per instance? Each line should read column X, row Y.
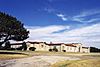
column 35, row 61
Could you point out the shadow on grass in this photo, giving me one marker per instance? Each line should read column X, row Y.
column 12, row 53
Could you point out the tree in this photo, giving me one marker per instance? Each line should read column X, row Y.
column 32, row 48
column 50, row 50
column 11, row 29
column 24, row 46
column 94, row 49
column 55, row 49
column 7, row 45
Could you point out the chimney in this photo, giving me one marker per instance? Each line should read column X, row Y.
column 50, row 42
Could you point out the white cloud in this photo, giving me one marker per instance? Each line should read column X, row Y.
column 80, row 19
column 89, row 35
column 41, row 32
column 86, row 14
column 62, row 17
column 84, row 31
column 83, row 17
column 54, row 11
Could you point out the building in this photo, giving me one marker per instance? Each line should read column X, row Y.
column 61, row 47
column 40, row 46
column 15, row 45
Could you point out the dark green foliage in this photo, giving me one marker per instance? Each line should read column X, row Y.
column 12, row 49
column 19, row 48
column 11, row 29
column 24, row 46
column 7, row 45
column 55, row 49
column 32, row 48
column 64, row 50
column 50, row 49
column 94, row 49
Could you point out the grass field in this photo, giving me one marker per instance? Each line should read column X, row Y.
column 87, row 59
column 32, row 53
column 9, row 56
column 6, row 55
column 78, row 63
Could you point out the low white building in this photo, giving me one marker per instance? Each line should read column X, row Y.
column 61, row 47
column 16, row 45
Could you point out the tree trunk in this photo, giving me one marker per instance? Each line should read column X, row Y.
column 6, row 39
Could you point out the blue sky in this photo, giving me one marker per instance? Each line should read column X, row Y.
column 58, row 20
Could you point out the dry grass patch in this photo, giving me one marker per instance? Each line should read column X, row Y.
column 9, row 56
column 78, row 63
column 57, row 53
column 5, row 55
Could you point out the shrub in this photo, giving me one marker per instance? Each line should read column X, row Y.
column 64, row 50
column 24, row 46
column 12, row 49
column 32, row 48
column 19, row 48
column 55, row 49
column 7, row 46
column 50, row 50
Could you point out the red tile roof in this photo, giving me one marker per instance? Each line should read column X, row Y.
column 70, row 45
column 52, row 44
column 85, row 47
column 36, row 42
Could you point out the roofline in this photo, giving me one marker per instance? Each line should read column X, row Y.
column 85, row 47
column 16, row 44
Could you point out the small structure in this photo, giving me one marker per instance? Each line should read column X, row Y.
column 85, row 49
column 15, row 45
column 40, row 46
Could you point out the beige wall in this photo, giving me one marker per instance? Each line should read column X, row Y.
column 85, row 50
column 39, row 47
column 15, row 46
column 29, row 45
column 70, row 49
column 44, row 47
column 57, row 46
column 63, row 47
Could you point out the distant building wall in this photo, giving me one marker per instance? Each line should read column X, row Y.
column 70, row 49
column 74, row 47
column 85, row 49
column 15, row 46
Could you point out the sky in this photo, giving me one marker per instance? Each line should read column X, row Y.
column 64, row 21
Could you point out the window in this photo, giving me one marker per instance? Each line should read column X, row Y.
column 63, row 47
column 70, row 48
column 67, row 48
column 42, row 46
